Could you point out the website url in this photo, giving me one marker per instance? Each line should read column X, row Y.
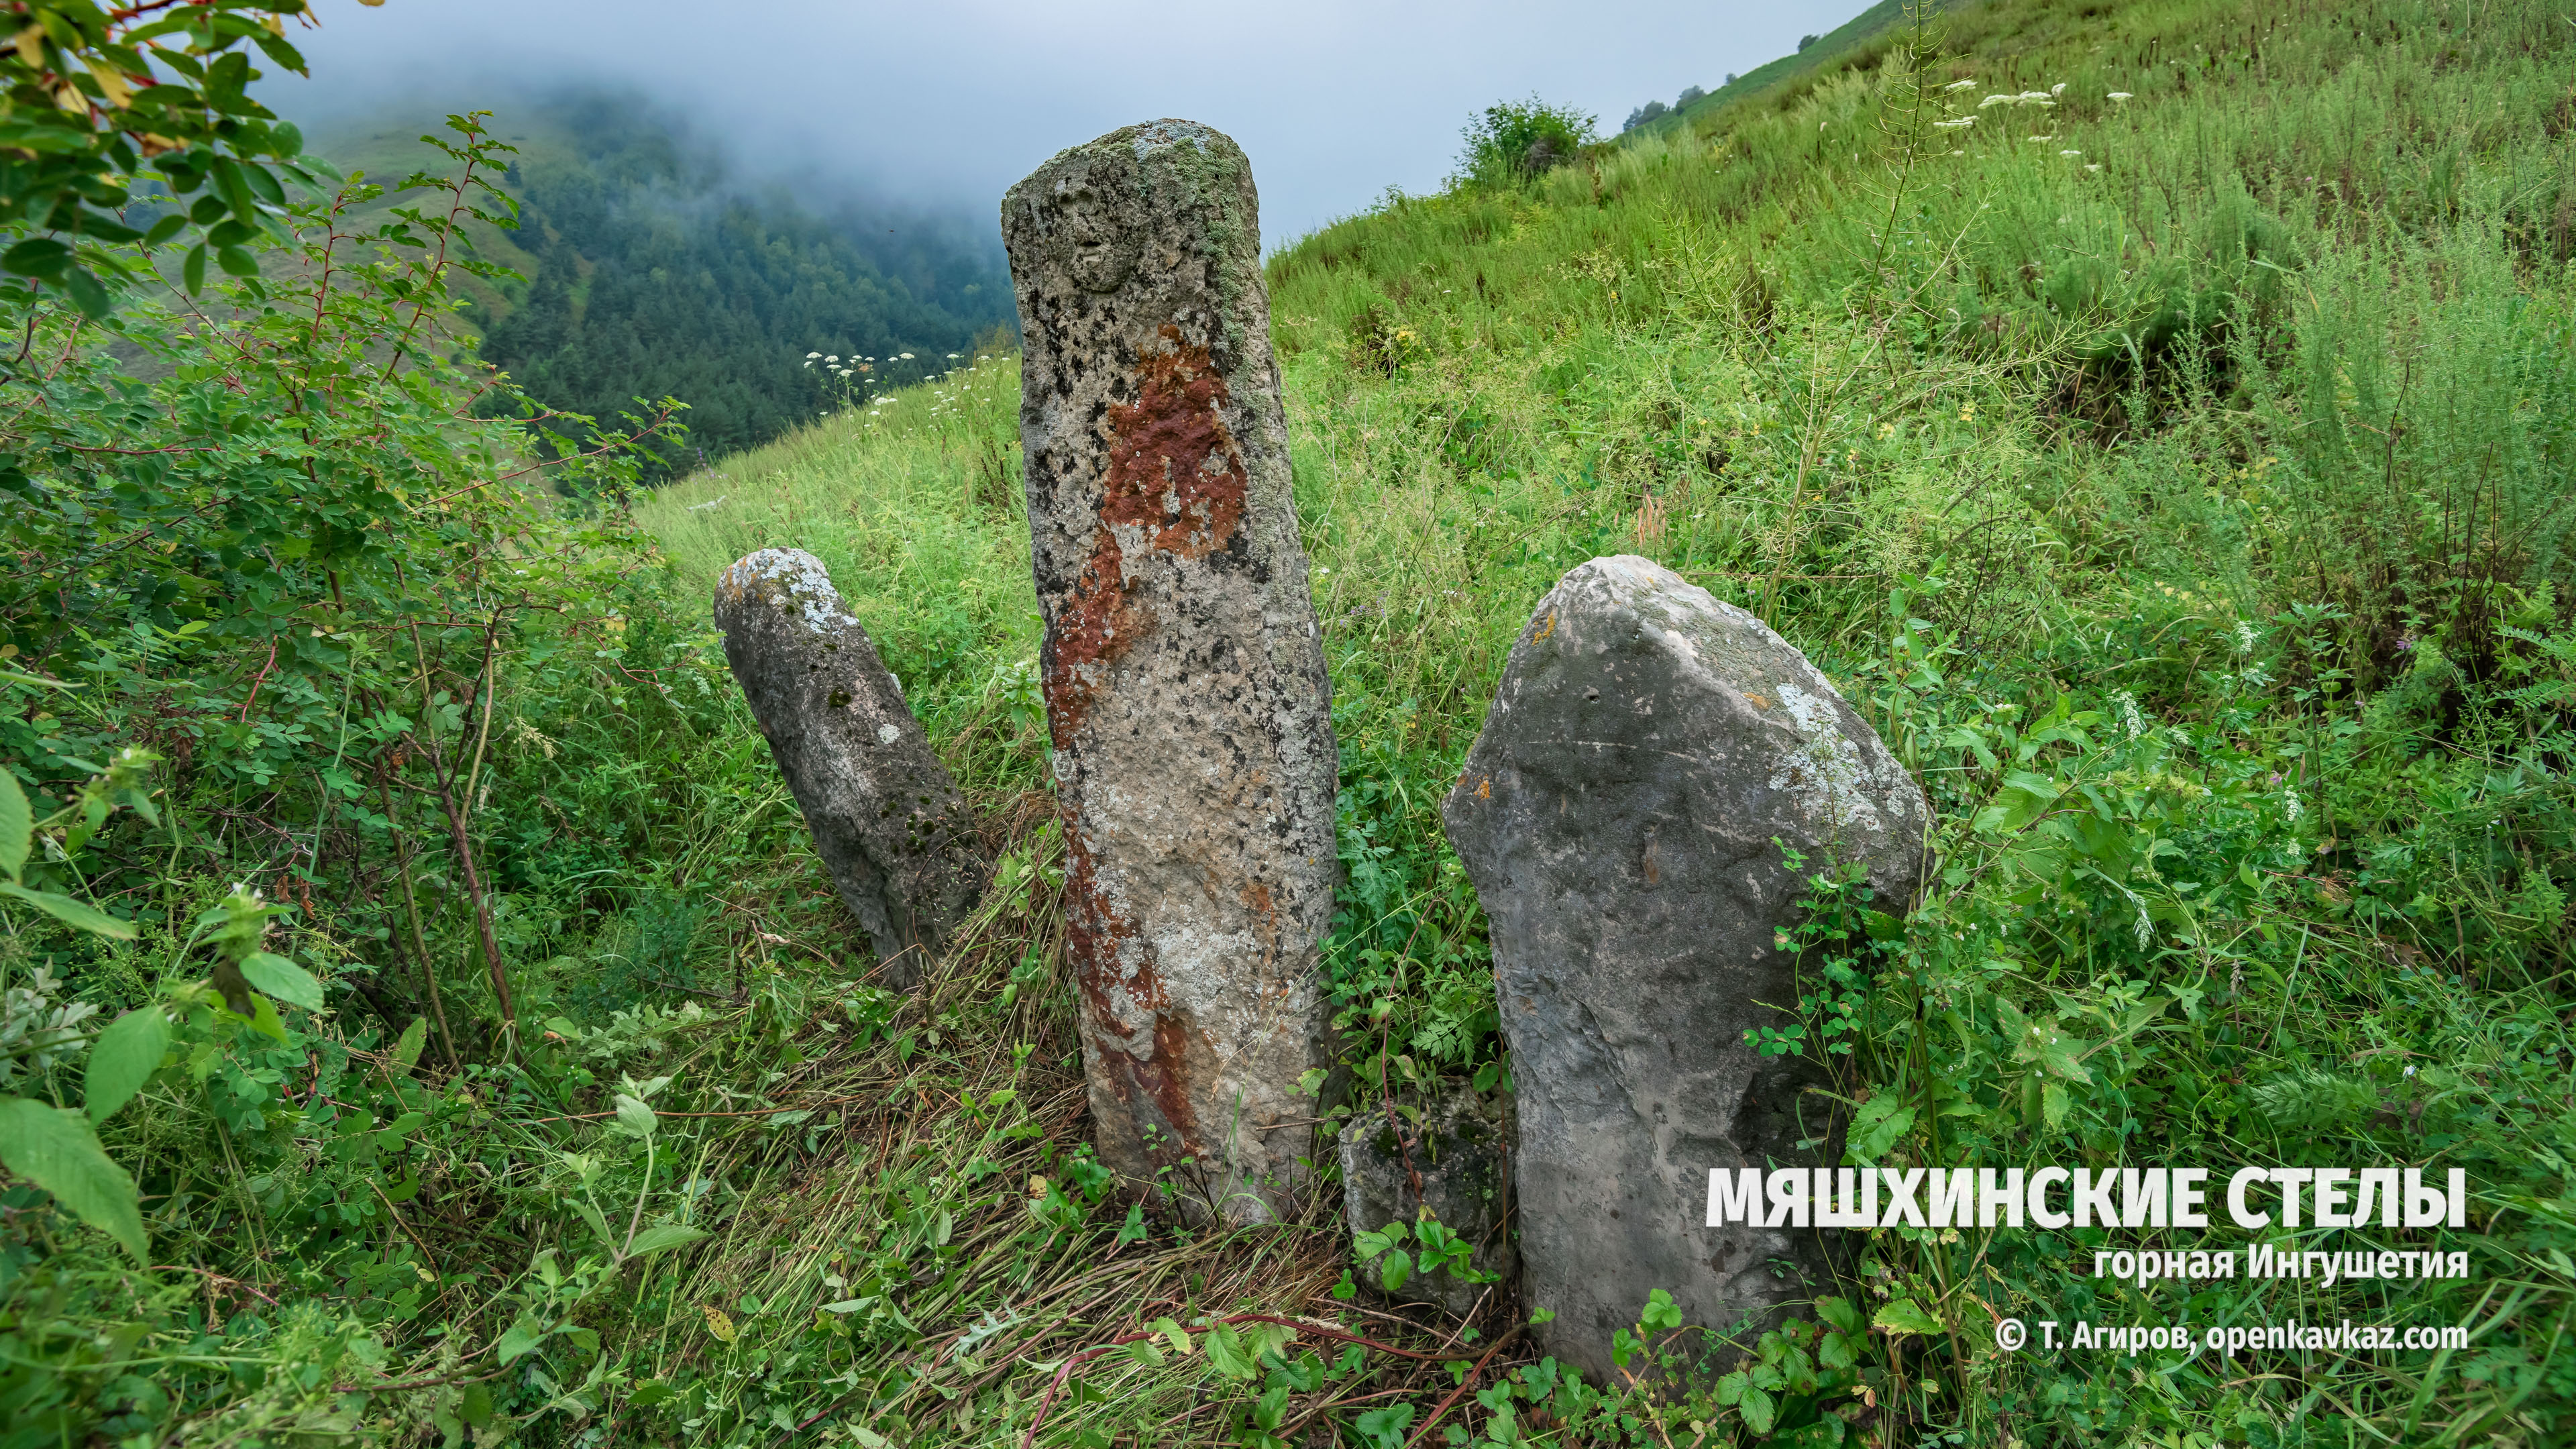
column 2132, row 1339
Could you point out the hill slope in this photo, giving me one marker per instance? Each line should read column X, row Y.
column 649, row 267
column 2157, row 416
column 2174, row 450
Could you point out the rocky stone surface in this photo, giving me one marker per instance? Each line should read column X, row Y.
column 1617, row 814
column 1453, row 1161
column 1184, row 672
column 888, row 821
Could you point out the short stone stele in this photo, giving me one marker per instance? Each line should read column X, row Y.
column 1449, row 1159
column 888, row 821
column 1184, row 673
column 1617, row 815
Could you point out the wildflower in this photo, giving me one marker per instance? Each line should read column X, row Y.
column 2070, row 153
column 2410, row 1069
column 1959, row 85
column 906, row 356
column 1961, row 124
column 1968, row 413
column 2043, row 138
column 2133, row 721
column 2058, row 89
column 2092, row 165
column 2119, row 95
column 2290, row 806
column 1994, row 101
column 810, row 356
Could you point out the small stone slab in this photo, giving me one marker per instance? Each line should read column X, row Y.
column 1184, row 671
column 889, row 822
column 1452, row 1161
column 1617, row 814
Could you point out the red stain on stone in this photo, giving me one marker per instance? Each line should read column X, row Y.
column 1174, row 469
column 1098, row 623
column 1176, row 476
column 1099, row 943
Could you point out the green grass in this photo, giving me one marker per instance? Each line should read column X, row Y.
column 2194, row 527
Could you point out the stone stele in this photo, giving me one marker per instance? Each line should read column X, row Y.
column 1617, row 816
column 897, row 837
column 1184, row 672
column 1449, row 1159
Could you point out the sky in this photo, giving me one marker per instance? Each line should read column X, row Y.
column 942, row 104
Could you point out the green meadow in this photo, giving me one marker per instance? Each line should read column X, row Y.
column 2157, row 416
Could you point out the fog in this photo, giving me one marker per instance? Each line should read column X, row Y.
column 939, row 107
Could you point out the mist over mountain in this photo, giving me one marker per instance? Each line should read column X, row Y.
column 652, row 265
column 944, row 106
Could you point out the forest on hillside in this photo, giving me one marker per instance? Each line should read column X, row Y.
column 425, row 1019
column 650, row 263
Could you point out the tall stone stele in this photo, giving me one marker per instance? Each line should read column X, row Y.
column 894, row 832
column 1184, row 673
column 1617, row 814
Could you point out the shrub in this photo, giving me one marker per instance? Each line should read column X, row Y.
column 1514, row 141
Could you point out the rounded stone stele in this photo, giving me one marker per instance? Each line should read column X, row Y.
column 1187, row 705
column 1618, row 814
column 894, row 832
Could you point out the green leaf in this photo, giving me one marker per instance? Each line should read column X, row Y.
column 1759, row 1410
column 1661, row 1314
column 669, row 1235
column 71, row 912
column 598, row 1224
column 122, row 1059
column 1394, row 1269
column 1840, row 1313
column 407, row 1050
column 1226, row 1353
column 2052, row 1104
column 17, row 826
column 1730, row 1389
column 633, row 1117
column 55, row 1149
column 1876, row 1128
column 36, row 257
column 1906, row 1316
column 2024, row 798
column 521, row 1339
column 282, row 979
column 264, row 1017
column 85, row 291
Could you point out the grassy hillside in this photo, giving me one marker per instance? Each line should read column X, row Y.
column 2154, row 414
column 2188, row 471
